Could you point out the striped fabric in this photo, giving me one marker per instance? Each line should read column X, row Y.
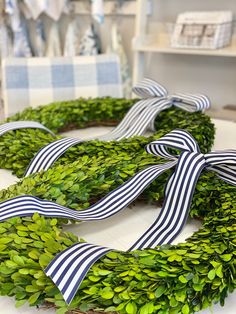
column 10, row 126
column 188, row 102
column 224, row 164
column 49, row 154
column 77, row 260
column 137, row 120
column 68, row 268
column 115, row 201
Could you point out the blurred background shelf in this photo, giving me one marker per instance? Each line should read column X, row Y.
column 197, row 69
column 161, row 43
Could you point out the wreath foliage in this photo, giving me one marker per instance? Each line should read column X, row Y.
column 181, row 278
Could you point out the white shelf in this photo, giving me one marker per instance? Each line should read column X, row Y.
column 161, row 43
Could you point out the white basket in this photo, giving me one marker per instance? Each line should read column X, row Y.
column 203, row 30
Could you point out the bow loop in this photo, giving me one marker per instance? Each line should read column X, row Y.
column 224, row 164
column 177, row 139
column 149, row 88
column 190, row 102
column 226, row 157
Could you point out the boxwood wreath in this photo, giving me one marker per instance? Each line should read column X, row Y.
column 183, row 278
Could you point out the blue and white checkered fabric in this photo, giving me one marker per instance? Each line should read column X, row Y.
column 37, row 81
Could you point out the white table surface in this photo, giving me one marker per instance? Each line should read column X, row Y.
column 111, row 232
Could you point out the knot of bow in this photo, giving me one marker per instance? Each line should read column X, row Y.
column 181, row 185
column 223, row 162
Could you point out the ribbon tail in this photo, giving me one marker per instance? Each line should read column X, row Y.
column 175, row 209
column 125, row 194
column 47, row 155
column 68, row 269
column 154, row 107
column 51, row 152
column 132, row 117
column 112, row 203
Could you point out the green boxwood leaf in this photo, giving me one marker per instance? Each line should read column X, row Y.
column 219, row 271
column 159, row 291
column 107, row 293
column 19, row 303
column 24, row 271
column 211, row 274
column 45, row 259
column 147, row 308
column 226, row 257
column 31, row 289
column 103, row 272
column 185, row 309
column 131, row 308
column 33, row 298
column 11, row 264
column 62, row 310
column 5, row 240
column 183, row 279
column 19, row 260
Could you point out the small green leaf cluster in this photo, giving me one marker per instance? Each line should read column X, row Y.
column 27, row 245
column 183, row 278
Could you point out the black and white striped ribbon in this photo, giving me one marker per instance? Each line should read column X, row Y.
column 68, row 269
column 69, row 276
column 47, row 155
column 118, row 199
column 15, row 125
column 151, row 93
column 139, row 117
column 147, row 89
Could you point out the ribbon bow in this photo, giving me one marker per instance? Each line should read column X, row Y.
column 155, row 98
column 148, row 89
column 139, row 117
column 68, row 268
